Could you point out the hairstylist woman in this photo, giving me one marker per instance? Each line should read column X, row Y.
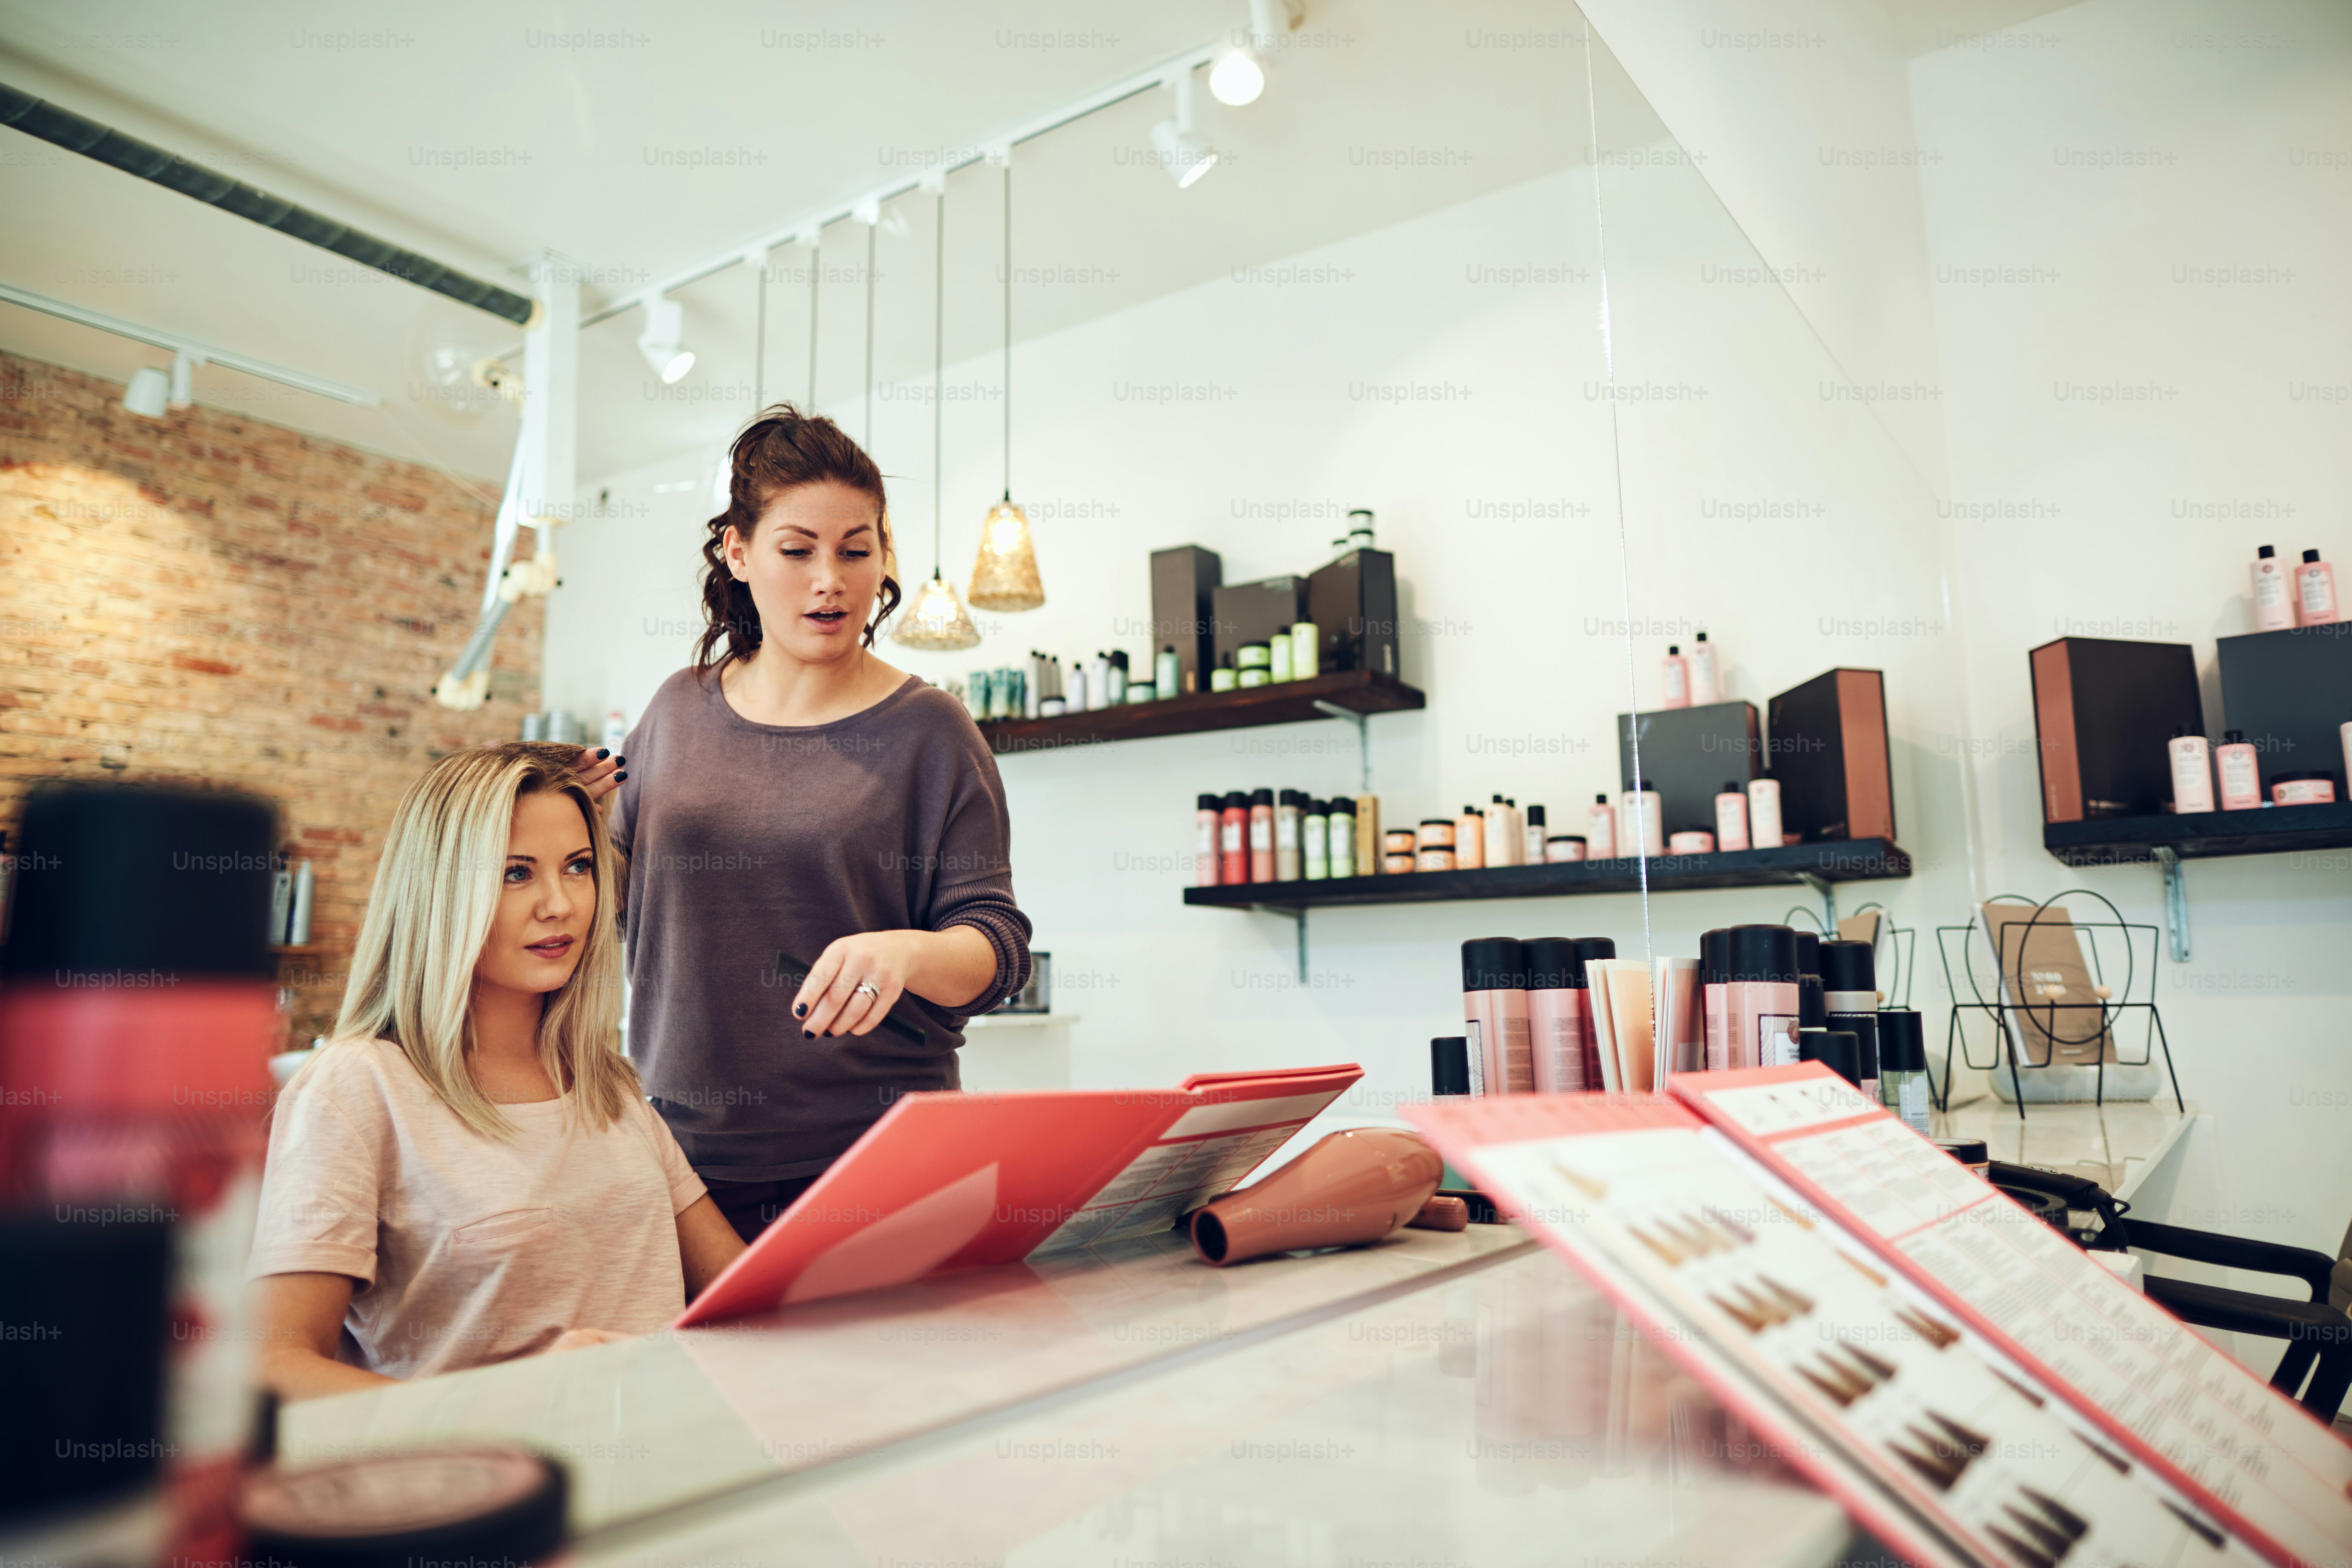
column 791, row 793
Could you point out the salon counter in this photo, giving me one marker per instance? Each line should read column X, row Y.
column 1435, row 1397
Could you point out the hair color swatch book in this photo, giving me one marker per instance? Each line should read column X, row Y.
column 967, row 1181
column 2164, row 1392
column 1931, row 1434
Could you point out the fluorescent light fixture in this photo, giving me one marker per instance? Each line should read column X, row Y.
column 1184, row 155
column 148, row 393
column 662, row 341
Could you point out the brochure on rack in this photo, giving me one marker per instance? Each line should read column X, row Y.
column 1932, row 1433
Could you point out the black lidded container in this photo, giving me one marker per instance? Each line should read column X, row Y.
column 1449, row 1066
column 1761, row 954
column 1812, row 1011
column 1850, row 987
column 1553, row 963
column 1902, row 1042
column 1589, row 948
column 1715, row 956
column 1836, row 1049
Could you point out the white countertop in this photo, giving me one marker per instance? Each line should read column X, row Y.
column 1437, row 1397
column 2114, row 1144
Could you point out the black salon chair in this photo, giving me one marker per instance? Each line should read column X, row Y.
column 2319, row 1331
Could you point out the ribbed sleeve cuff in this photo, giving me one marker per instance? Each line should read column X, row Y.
column 1008, row 935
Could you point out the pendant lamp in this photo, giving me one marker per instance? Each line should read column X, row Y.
column 1005, row 576
column 935, row 619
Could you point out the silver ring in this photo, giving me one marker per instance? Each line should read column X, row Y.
column 868, row 987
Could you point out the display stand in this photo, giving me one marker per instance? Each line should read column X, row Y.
column 2010, row 1015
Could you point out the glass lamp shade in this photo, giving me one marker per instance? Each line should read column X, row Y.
column 1005, row 576
column 935, row 619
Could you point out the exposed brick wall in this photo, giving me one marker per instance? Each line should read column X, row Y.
column 209, row 598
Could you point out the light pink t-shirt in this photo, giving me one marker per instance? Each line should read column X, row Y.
column 468, row 1248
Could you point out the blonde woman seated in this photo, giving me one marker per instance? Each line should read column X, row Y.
column 469, row 1172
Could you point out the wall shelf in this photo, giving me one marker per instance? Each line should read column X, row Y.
column 1352, row 694
column 2170, row 838
column 2200, row 835
column 1815, row 866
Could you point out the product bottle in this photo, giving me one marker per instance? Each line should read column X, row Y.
column 1494, row 1003
column 1645, row 821
column 1232, row 840
column 616, row 732
column 1835, row 1049
column 1368, row 834
column 1588, row 949
column 1117, row 691
column 1504, row 833
column 137, row 1018
column 1676, row 671
column 1288, row 811
column 2273, row 607
column 1714, row 975
column 1073, row 696
column 1469, row 840
column 1903, row 1086
column 1705, row 675
column 1205, row 815
column 1099, row 683
column 1261, row 835
column 2315, row 591
column 1849, row 991
column 1764, row 814
column 1812, row 1011
column 1760, row 997
column 1600, row 830
column 1314, row 848
column 1556, row 998
column 1164, row 673
column 1306, row 650
column 1339, row 829
column 1531, row 837
column 1731, row 815
column 2192, row 771
column 1278, row 658
column 298, row 916
column 1453, row 1068
column 2241, row 785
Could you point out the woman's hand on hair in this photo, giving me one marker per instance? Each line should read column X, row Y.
column 602, row 771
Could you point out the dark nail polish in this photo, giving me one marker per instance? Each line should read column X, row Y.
column 620, row 762
column 618, row 777
column 800, row 1009
column 601, row 753
column 808, row 1035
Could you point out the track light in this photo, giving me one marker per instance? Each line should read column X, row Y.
column 183, row 374
column 148, row 392
column 1236, row 78
column 662, row 341
column 1185, row 156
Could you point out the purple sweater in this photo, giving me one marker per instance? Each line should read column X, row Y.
column 747, row 840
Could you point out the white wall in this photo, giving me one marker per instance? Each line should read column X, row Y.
column 1515, row 623
column 2121, row 161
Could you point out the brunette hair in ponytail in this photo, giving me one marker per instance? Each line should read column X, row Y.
column 781, row 450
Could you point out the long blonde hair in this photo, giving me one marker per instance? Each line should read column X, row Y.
column 428, row 918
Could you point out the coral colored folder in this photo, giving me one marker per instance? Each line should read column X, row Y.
column 963, row 1181
column 2163, row 1394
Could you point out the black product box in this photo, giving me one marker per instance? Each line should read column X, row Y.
column 1183, row 611
column 1255, row 612
column 1688, row 754
column 2103, row 711
column 1828, row 750
column 2287, row 693
column 1353, row 603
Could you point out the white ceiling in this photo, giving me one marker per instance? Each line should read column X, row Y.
column 479, row 134
column 370, row 115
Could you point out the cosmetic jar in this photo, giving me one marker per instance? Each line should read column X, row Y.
column 2302, row 789
column 1221, row 677
column 1255, row 675
column 1392, row 864
column 1435, row 833
column 1691, row 842
column 1053, row 706
column 1433, row 860
column 1255, row 656
column 1561, row 847
column 1397, row 841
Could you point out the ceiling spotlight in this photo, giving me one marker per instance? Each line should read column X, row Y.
column 183, row 371
column 1236, row 78
column 662, row 341
column 148, row 393
column 1184, row 155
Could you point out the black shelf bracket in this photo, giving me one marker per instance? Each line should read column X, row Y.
column 1297, row 913
column 1827, row 893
